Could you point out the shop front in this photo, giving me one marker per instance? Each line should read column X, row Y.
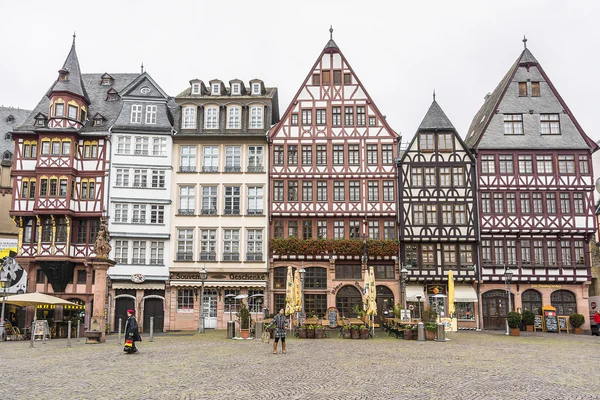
column 145, row 296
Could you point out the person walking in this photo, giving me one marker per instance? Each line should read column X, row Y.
column 597, row 321
column 131, row 331
column 279, row 322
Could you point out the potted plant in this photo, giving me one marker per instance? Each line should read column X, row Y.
column 310, row 332
column 576, row 320
column 415, row 334
column 244, row 315
column 302, row 332
column 364, row 332
column 429, row 315
column 354, row 332
column 408, row 333
column 514, row 323
column 430, row 328
column 528, row 320
column 319, row 332
column 347, row 333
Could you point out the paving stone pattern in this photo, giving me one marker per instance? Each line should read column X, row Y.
column 472, row 365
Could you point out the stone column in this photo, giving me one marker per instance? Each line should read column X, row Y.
column 97, row 331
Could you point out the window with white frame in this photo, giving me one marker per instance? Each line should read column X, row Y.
column 255, row 200
column 185, row 244
column 339, row 191
column 211, row 118
column 387, row 154
column 122, row 177
column 373, row 190
column 388, row 190
column 122, row 251
column 216, row 89
column 140, row 178
column 139, row 214
column 186, row 200
column 256, row 156
column 189, row 117
column 321, row 190
column 141, row 146
column 136, row 114
column 307, row 191
column 185, row 300
column 550, row 124
column 123, row 144
column 389, row 230
column 458, row 176
column 121, row 210
column 234, row 118
column 208, row 244
column 488, row 164
column 187, row 158
column 159, row 146
column 254, row 243
column 233, row 158
column 338, row 230
column 256, row 300
column 256, row 117
column 354, row 191
column 235, row 89
column 513, row 124
column 139, row 252
column 374, row 230
column 232, row 200
column 231, row 244
column 231, row 303
column 256, row 88
column 209, row 200
column 157, row 253
column 195, row 88
column 157, row 214
column 210, row 159
column 151, row 114
column 158, row 178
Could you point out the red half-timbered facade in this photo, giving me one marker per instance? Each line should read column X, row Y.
column 534, row 164
column 333, row 190
column 60, row 167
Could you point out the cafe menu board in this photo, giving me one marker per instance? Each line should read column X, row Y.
column 562, row 324
column 41, row 329
column 332, row 316
column 551, row 321
column 537, row 323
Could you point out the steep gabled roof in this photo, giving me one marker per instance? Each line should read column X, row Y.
column 435, row 119
column 74, row 83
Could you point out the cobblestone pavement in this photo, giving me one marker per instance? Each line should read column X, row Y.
column 472, row 365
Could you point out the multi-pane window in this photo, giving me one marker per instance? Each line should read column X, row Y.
column 139, row 214
column 565, row 252
column 565, row 203
column 373, row 230
column 232, row 200
column 430, row 177
column 371, row 154
column 361, row 119
column 525, row 165
column 158, row 179
column 292, row 228
column 234, row 118
column 233, row 158
column 511, row 203
column 426, row 141
column 185, row 300
column 354, row 190
column 372, row 121
column 306, row 117
column 511, row 252
column 488, row 165
column 505, row 164
column 151, row 114
column 256, row 155
column 157, row 253
column 209, row 200
column 410, row 254
column 306, row 155
column 578, row 203
column 584, row 166
column 373, row 190
column 211, row 118
column 278, row 155
column 354, row 229
column 140, row 178
column 538, row 207
column 136, row 114
column 458, row 176
column 159, row 146
column 338, row 154
column 121, row 210
column 187, row 158
column 389, row 230
column 460, row 214
column 292, row 155
column 466, row 254
column 186, row 200
column 525, row 252
column 122, row 176
column 321, row 190
column 294, row 120
column 320, row 117
column 525, row 204
column 348, row 271
column 141, row 146
column 210, row 159
column 499, row 252
column 387, row 154
column 552, row 252
column 538, row 252
column 292, row 190
column 427, row 254
column 486, row 251
column 139, row 252
column 307, row 191
column 255, row 200
column 418, row 214
column 499, row 203
column 122, row 251
column 353, row 154
column 544, row 164
column 278, row 229
column 447, row 214
column 254, row 243
column 349, row 116
column 232, row 304
column 513, row 124
column 551, row 203
column 321, row 229
column 157, row 214
column 338, row 191
column 307, row 229
column 431, row 214
column 550, row 124
column 336, row 116
column 189, row 118
column 208, row 244
column 445, row 142
column 231, row 245
column 277, row 190
column 486, row 203
column 388, row 190
column 579, row 252
column 417, row 176
column 449, row 251
column 445, row 177
column 321, row 154
column 566, row 164
column 185, row 243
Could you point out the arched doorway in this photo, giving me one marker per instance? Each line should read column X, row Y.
column 532, row 301
column 564, row 301
column 385, row 303
column 122, row 304
column 346, row 299
column 495, row 308
column 154, row 307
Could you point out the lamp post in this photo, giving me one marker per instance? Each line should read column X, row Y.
column 203, row 276
column 507, row 278
column 419, row 300
column 403, row 279
column 4, row 280
column 302, row 275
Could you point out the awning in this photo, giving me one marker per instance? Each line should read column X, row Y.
column 412, row 291
column 216, row 284
column 141, row 286
column 464, row 293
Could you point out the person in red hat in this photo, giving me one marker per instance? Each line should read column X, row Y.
column 131, row 332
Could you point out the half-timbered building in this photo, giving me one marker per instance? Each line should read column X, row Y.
column 59, row 190
column 535, row 196
column 438, row 218
column 333, row 191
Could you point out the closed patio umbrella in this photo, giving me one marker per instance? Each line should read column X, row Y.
column 290, row 302
column 451, row 309
column 372, row 310
column 297, row 292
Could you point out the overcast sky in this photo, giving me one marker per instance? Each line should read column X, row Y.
column 401, row 50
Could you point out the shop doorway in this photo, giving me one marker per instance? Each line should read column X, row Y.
column 209, row 303
column 122, row 304
column 153, row 307
column 346, row 299
column 531, row 300
column 495, row 308
column 385, row 303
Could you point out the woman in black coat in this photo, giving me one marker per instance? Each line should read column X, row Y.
column 131, row 331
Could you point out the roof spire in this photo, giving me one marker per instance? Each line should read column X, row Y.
column 142, row 67
column 74, row 36
column 433, row 94
column 330, row 32
column 524, row 42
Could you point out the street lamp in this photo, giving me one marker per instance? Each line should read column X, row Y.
column 403, row 279
column 507, row 278
column 203, row 276
column 419, row 300
column 302, row 275
column 4, row 280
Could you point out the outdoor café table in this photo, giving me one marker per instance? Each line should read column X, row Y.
column 311, row 321
column 356, row 321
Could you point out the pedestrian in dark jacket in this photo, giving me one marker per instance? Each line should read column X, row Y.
column 131, row 331
column 279, row 322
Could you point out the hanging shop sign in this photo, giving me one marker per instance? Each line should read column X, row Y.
column 138, row 278
column 432, row 290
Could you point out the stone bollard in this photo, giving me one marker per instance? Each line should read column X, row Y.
column 69, row 334
column 441, row 333
column 421, row 332
column 120, row 321
column 151, row 329
column 78, row 325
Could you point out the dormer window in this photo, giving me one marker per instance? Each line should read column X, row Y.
column 235, row 89
column 98, row 121
column 59, row 109
column 40, row 120
column 8, row 136
column 216, row 89
column 195, row 88
column 255, row 88
column 63, row 75
column 112, row 95
column 7, row 155
column 106, row 81
column 73, row 111
column 10, row 119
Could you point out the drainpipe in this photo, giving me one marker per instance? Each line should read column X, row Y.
column 267, row 208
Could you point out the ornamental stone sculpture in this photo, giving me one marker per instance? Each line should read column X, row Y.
column 102, row 246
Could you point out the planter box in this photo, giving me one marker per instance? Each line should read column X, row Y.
column 529, row 328
column 302, row 333
column 347, row 334
column 408, row 334
column 355, row 334
column 318, row 333
column 429, row 335
column 364, row 334
column 515, row 332
column 578, row 331
column 310, row 333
